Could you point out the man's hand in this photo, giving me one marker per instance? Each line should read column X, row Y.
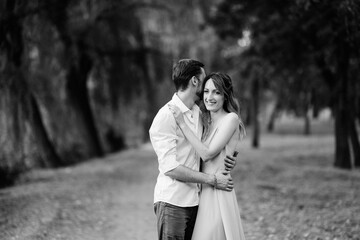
column 224, row 181
column 230, row 163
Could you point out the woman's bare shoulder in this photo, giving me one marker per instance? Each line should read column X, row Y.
column 230, row 120
column 231, row 117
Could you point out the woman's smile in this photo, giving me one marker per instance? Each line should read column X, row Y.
column 213, row 98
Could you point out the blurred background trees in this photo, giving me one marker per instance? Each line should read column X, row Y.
column 82, row 78
column 307, row 51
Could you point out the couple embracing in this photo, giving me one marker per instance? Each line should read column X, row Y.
column 195, row 146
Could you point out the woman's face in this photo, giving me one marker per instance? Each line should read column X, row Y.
column 213, row 98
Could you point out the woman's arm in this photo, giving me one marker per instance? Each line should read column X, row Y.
column 225, row 131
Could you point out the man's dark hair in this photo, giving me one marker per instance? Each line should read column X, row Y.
column 184, row 70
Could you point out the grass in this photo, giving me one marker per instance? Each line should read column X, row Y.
column 289, row 189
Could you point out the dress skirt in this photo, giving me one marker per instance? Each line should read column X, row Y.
column 218, row 216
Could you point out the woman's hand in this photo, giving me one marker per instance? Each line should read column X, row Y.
column 230, row 162
column 178, row 115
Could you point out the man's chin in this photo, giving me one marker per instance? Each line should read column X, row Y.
column 198, row 101
column 198, row 98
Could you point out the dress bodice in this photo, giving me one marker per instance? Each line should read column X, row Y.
column 217, row 162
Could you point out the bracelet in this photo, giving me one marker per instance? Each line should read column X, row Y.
column 215, row 181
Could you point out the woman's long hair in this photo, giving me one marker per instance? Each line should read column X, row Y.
column 222, row 83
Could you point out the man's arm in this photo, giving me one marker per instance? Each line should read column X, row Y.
column 218, row 180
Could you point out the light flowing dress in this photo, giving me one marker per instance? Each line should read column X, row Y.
column 218, row 216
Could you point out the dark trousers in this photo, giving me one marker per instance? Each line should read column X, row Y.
column 173, row 222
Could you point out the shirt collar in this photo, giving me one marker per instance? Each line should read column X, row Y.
column 177, row 101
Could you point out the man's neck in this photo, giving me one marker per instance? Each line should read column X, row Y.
column 187, row 98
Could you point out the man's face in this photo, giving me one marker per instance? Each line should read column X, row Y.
column 201, row 80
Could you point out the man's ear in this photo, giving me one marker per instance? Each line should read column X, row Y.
column 194, row 81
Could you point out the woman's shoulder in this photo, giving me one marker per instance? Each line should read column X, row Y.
column 231, row 116
column 230, row 119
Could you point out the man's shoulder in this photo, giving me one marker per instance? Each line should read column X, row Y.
column 164, row 119
column 164, row 115
column 164, row 110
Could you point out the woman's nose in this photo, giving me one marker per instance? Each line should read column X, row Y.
column 210, row 96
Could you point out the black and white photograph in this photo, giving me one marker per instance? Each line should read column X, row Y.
column 179, row 120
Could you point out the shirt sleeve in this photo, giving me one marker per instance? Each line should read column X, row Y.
column 163, row 139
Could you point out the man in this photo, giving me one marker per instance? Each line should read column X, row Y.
column 176, row 194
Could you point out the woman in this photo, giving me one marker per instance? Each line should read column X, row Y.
column 218, row 215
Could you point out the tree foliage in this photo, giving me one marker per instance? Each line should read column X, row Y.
column 82, row 78
column 312, row 48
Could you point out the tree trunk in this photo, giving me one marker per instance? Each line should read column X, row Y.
column 18, row 86
column 354, row 139
column 338, row 84
column 50, row 157
column 271, row 123
column 148, row 57
column 354, row 96
column 147, row 65
column 78, row 69
column 255, row 112
column 79, row 96
column 342, row 149
column 307, row 125
column 354, row 136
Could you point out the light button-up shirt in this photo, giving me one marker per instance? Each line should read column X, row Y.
column 172, row 150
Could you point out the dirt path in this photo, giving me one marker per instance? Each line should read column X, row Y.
column 287, row 189
column 108, row 198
